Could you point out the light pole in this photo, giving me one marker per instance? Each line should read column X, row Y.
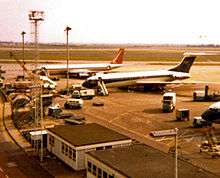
column 176, row 154
column 22, row 34
column 171, row 132
column 35, row 17
column 67, row 29
column 42, row 126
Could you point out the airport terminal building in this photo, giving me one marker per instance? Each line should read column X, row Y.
column 138, row 161
column 70, row 142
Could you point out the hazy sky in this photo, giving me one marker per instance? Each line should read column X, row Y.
column 115, row 21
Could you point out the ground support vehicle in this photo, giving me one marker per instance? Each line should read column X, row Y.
column 169, row 102
column 182, row 114
column 84, row 94
column 198, row 122
column 73, row 103
column 54, row 111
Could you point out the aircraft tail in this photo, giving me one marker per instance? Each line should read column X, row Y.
column 119, row 57
column 185, row 65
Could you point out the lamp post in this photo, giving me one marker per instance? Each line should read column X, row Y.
column 22, row 34
column 171, row 132
column 176, row 154
column 35, row 17
column 67, row 29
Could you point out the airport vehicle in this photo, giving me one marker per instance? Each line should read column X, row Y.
column 182, row 114
column 169, row 101
column 199, row 122
column 211, row 145
column 77, row 86
column 206, row 95
column 76, row 94
column 48, row 83
column 84, row 94
column 20, row 101
column 54, row 111
column 156, row 78
column 73, row 103
column 87, row 93
column 1, row 82
column 212, row 114
column 80, row 70
column 75, row 120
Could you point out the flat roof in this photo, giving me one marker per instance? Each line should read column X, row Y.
column 88, row 134
column 141, row 161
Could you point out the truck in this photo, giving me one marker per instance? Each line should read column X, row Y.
column 87, row 93
column 54, row 111
column 73, row 103
column 84, row 94
column 169, row 101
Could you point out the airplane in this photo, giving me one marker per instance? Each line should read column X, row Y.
column 45, row 81
column 212, row 114
column 80, row 70
column 148, row 79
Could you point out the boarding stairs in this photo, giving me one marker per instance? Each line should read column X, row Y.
column 103, row 88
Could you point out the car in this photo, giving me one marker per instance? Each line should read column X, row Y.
column 76, row 94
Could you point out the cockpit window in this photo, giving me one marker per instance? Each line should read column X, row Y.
column 214, row 109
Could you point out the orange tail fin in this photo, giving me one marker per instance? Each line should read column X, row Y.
column 119, row 57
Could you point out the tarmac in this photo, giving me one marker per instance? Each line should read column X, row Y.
column 15, row 161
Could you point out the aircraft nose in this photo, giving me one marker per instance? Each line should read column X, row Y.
column 208, row 115
column 85, row 84
column 89, row 84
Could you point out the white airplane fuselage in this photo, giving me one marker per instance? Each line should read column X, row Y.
column 145, row 78
column 78, row 69
column 55, row 67
column 135, row 78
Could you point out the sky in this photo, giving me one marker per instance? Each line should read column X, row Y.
column 114, row 21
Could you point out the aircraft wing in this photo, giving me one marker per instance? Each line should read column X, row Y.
column 157, row 80
column 74, row 71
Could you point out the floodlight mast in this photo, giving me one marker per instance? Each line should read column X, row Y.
column 35, row 17
column 67, row 29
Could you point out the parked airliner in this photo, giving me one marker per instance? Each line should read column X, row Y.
column 144, row 78
column 212, row 114
column 80, row 70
